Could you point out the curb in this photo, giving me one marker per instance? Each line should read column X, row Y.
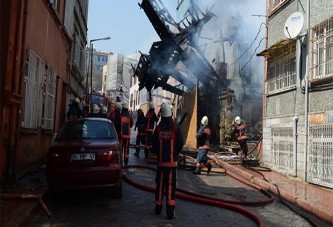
column 300, row 202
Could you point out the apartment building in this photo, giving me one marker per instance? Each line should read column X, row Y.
column 298, row 103
column 43, row 70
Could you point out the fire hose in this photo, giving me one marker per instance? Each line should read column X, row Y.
column 187, row 195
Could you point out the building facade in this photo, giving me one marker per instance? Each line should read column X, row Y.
column 43, row 70
column 98, row 60
column 298, row 103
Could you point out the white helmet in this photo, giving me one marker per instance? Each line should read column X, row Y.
column 204, row 120
column 165, row 110
column 118, row 106
column 238, row 120
column 104, row 110
column 77, row 100
column 151, row 105
column 95, row 109
column 125, row 105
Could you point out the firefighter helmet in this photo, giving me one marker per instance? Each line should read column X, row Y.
column 238, row 120
column 151, row 105
column 118, row 106
column 125, row 105
column 77, row 100
column 104, row 110
column 165, row 110
column 95, row 109
column 204, row 120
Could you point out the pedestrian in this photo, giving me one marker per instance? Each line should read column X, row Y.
column 167, row 141
column 151, row 119
column 125, row 131
column 239, row 130
column 203, row 137
column 74, row 110
column 140, row 124
column 115, row 118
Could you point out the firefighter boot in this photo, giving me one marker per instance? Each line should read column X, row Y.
column 158, row 209
column 197, row 170
column 209, row 168
column 171, row 212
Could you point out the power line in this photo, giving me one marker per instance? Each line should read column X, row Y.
column 249, row 59
column 250, row 45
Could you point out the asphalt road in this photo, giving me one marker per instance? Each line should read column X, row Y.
column 136, row 207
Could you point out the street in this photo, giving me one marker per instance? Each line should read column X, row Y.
column 136, row 207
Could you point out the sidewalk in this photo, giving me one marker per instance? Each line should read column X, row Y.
column 21, row 203
column 311, row 198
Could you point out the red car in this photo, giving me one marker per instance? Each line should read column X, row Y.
column 85, row 154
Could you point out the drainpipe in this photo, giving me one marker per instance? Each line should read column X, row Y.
column 306, row 103
column 295, row 119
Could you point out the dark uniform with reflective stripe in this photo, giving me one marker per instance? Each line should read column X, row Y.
column 151, row 119
column 141, row 135
column 241, row 134
column 125, row 133
column 203, row 137
column 167, row 143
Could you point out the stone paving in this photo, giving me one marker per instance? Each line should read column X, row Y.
column 94, row 208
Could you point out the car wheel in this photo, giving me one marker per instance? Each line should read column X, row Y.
column 118, row 192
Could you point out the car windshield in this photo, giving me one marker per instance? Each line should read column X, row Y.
column 87, row 129
column 99, row 100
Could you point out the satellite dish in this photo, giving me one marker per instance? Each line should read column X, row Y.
column 293, row 25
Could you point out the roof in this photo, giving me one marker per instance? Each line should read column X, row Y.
column 277, row 45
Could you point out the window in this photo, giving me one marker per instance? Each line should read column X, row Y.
column 274, row 4
column 322, row 52
column 79, row 54
column 282, row 69
column 282, row 149
column 50, row 82
column 39, row 94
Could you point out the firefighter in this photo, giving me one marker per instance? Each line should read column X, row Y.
column 74, row 110
column 151, row 119
column 167, row 143
column 115, row 118
column 140, row 124
column 203, row 136
column 126, row 123
column 239, row 130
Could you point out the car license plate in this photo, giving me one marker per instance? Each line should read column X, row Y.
column 82, row 156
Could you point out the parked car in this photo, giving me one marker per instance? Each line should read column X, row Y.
column 85, row 154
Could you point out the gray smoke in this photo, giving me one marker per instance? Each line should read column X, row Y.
column 239, row 30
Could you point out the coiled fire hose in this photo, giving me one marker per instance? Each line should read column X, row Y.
column 187, row 195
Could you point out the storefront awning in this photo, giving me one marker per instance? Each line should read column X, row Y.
column 277, row 45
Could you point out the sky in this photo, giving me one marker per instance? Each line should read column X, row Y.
column 126, row 24
column 131, row 31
